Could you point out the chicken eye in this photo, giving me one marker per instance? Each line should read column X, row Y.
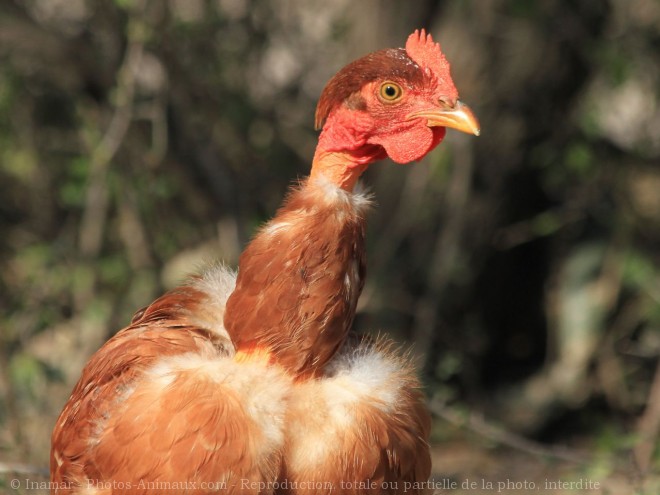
column 390, row 91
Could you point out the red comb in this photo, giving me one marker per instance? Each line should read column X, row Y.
column 427, row 54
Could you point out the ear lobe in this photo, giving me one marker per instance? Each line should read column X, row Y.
column 411, row 145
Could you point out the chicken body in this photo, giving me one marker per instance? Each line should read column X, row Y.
column 164, row 403
column 250, row 385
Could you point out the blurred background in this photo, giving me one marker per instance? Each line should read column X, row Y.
column 140, row 139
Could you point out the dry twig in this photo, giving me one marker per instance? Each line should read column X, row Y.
column 479, row 425
column 648, row 427
column 96, row 199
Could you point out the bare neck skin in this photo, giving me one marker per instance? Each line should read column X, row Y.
column 340, row 163
column 339, row 167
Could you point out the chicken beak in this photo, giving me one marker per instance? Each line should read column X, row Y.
column 459, row 117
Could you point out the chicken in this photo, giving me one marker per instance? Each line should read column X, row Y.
column 251, row 383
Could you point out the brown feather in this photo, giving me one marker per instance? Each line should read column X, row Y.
column 299, row 279
column 163, row 401
column 363, row 428
column 391, row 64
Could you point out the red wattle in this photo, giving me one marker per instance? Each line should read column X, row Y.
column 411, row 145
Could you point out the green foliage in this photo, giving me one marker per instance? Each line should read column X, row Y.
column 580, row 160
column 72, row 190
column 639, row 270
column 27, row 375
column 616, row 62
column 20, row 164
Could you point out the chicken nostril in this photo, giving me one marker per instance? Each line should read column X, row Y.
column 448, row 101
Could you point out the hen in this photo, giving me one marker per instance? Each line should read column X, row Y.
column 250, row 384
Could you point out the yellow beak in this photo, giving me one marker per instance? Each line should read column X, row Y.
column 458, row 117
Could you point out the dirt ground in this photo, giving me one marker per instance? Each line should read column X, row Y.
column 463, row 468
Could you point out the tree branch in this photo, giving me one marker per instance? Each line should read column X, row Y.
column 648, row 427
column 97, row 195
column 479, row 425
